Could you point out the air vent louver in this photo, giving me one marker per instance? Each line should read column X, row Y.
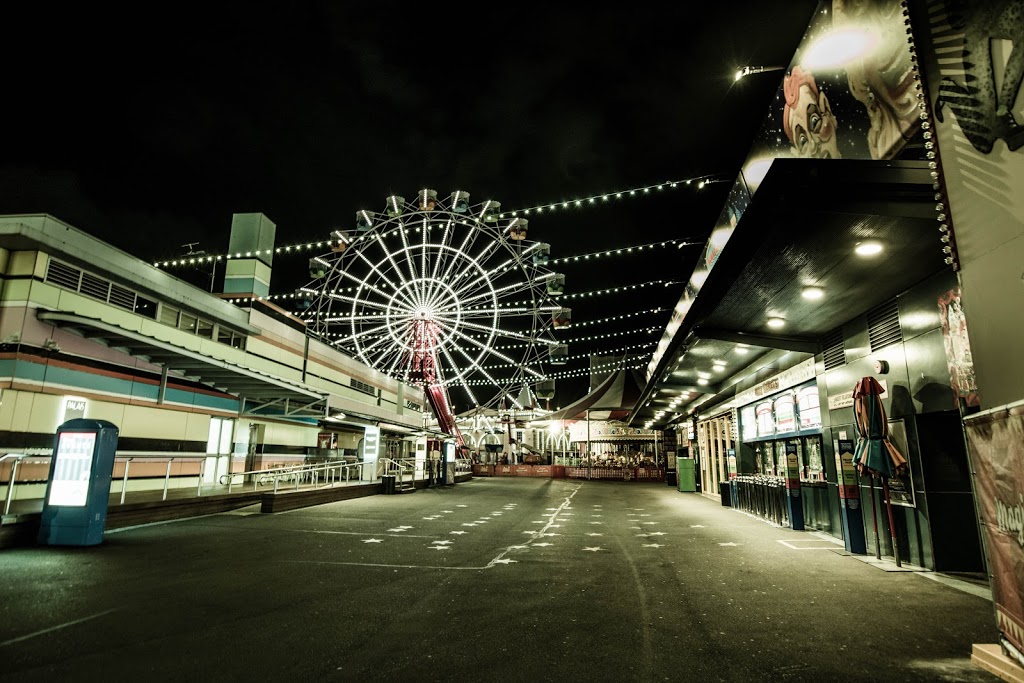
column 884, row 326
column 834, row 350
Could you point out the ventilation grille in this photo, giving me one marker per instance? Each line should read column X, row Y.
column 884, row 326
column 834, row 350
column 362, row 386
column 75, row 279
column 63, row 275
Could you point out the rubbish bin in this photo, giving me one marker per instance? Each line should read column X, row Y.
column 725, row 491
column 389, row 483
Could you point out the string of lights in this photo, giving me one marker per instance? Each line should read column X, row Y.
column 610, row 352
column 701, row 182
column 300, row 248
column 687, row 241
column 624, row 316
column 582, row 372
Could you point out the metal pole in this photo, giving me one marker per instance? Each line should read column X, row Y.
column 874, row 518
column 892, row 525
column 590, row 456
column 124, row 481
column 199, row 486
column 167, row 478
column 10, row 485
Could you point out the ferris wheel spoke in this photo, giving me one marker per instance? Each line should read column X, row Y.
column 479, row 368
column 487, row 349
column 391, row 259
column 370, row 332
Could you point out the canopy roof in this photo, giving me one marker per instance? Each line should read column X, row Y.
column 612, row 399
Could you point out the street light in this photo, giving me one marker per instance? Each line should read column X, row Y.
column 747, row 70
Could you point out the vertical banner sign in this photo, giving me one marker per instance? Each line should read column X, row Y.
column 371, row 443
column 996, row 440
column 796, row 504
column 849, row 498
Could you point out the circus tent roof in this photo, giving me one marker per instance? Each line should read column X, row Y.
column 612, row 399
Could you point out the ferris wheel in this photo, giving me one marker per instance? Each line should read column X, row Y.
column 443, row 294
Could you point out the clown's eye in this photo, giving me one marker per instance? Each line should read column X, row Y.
column 815, row 122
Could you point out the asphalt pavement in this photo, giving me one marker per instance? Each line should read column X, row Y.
column 505, row 579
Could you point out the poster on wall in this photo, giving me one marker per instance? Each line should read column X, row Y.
column 996, row 444
column 958, row 348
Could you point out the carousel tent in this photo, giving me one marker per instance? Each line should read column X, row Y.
column 612, row 399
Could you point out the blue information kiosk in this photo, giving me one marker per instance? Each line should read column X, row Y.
column 78, row 488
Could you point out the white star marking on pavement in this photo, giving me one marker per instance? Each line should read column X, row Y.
column 593, row 550
column 372, row 540
column 505, row 560
column 530, row 532
column 729, row 544
column 550, row 533
column 447, row 512
column 460, row 506
column 555, row 526
column 597, row 522
column 440, row 542
column 594, row 533
column 439, row 547
column 405, row 526
column 397, row 529
column 656, row 533
column 648, row 522
column 457, row 532
column 469, row 524
column 653, row 545
column 642, row 535
column 696, row 526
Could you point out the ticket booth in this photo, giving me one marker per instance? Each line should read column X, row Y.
column 78, row 487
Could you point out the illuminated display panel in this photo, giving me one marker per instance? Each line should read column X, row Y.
column 810, row 410
column 70, row 485
column 785, row 415
column 748, row 422
column 765, row 421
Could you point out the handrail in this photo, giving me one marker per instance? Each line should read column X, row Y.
column 297, row 472
column 126, row 459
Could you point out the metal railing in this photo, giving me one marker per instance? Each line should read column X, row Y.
column 399, row 468
column 313, row 474
column 18, row 459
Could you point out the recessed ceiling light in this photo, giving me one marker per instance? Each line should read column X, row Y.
column 776, row 322
column 812, row 293
column 702, row 381
column 742, row 350
column 868, row 248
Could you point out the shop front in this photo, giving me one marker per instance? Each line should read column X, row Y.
column 782, row 473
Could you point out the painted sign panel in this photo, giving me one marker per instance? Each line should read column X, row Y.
column 996, row 440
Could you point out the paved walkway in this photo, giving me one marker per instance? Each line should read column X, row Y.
column 490, row 580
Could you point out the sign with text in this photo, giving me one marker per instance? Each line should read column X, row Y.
column 71, row 473
column 371, row 442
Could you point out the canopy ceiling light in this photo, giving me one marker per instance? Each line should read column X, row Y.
column 776, row 322
column 812, row 293
column 869, row 248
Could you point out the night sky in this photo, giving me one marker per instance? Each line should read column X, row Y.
column 149, row 130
